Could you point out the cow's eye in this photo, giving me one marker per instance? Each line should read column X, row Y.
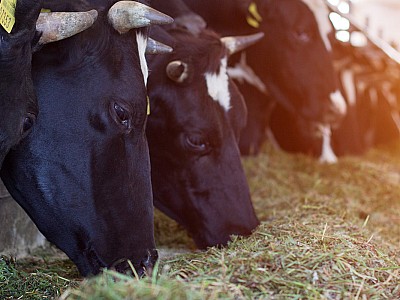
column 197, row 143
column 121, row 116
column 302, row 36
column 27, row 124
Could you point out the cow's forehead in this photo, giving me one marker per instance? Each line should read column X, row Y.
column 321, row 12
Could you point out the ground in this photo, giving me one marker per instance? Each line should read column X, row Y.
column 327, row 232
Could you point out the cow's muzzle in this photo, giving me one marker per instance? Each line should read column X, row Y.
column 143, row 268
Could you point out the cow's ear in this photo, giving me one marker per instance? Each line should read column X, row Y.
column 261, row 10
column 177, row 71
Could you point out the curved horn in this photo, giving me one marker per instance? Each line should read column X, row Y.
column 126, row 15
column 177, row 71
column 155, row 47
column 238, row 43
column 57, row 26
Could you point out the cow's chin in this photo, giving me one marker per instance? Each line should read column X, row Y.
column 92, row 264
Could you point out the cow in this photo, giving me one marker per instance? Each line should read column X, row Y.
column 18, row 103
column 289, row 132
column 370, row 85
column 293, row 63
column 83, row 173
column 193, row 129
column 182, row 14
column 372, row 109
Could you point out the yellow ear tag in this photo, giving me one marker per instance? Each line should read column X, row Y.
column 45, row 10
column 252, row 22
column 148, row 106
column 254, row 18
column 7, row 14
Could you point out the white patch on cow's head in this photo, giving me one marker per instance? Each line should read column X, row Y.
column 142, row 44
column 321, row 13
column 338, row 102
column 327, row 155
column 218, row 85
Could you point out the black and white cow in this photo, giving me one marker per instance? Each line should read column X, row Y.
column 368, row 82
column 292, row 65
column 18, row 103
column 83, row 173
column 197, row 114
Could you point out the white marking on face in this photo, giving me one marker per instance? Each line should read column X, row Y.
column 349, row 86
column 142, row 44
column 218, row 85
column 338, row 102
column 321, row 14
column 327, row 155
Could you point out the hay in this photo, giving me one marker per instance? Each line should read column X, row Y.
column 327, row 232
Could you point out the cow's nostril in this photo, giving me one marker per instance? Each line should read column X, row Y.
column 149, row 261
column 143, row 268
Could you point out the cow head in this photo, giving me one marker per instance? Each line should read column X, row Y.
column 193, row 129
column 83, row 174
column 18, row 102
column 296, row 61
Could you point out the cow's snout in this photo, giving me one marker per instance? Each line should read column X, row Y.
column 147, row 264
column 143, row 268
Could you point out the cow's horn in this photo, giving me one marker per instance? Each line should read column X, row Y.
column 57, row 26
column 155, row 47
column 126, row 15
column 238, row 43
column 177, row 71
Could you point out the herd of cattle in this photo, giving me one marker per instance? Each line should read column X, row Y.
column 109, row 106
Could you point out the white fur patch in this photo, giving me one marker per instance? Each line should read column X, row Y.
column 338, row 102
column 218, row 85
column 321, row 13
column 327, row 155
column 142, row 44
column 349, row 86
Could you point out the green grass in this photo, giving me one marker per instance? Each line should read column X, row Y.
column 327, row 232
column 35, row 279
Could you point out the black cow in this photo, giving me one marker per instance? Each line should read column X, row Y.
column 83, row 173
column 293, row 62
column 182, row 14
column 18, row 103
column 196, row 117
